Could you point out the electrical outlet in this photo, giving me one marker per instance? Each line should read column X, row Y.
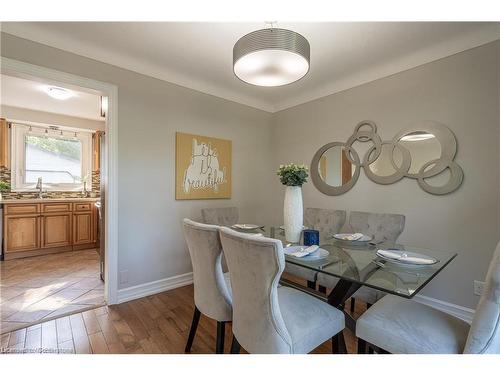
column 123, row 277
column 478, row 287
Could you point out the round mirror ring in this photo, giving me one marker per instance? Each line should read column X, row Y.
column 368, row 136
column 320, row 184
column 446, row 139
column 400, row 171
column 369, row 123
column 456, row 177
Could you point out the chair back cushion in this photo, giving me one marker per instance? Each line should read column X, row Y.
column 226, row 216
column 484, row 334
column 255, row 267
column 383, row 227
column 211, row 294
column 324, row 220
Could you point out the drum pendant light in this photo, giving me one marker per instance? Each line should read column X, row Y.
column 271, row 57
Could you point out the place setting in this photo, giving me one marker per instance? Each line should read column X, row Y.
column 354, row 239
column 404, row 257
column 393, row 257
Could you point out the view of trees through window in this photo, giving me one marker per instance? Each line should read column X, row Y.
column 56, row 160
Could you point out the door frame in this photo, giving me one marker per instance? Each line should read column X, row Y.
column 110, row 173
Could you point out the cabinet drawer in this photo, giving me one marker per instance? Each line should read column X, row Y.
column 20, row 209
column 82, row 206
column 56, row 207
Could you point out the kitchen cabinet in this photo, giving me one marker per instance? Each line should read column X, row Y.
column 40, row 228
column 96, row 150
column 4, row 143
column 56, row 230
column 82, row 228
column 21, row 233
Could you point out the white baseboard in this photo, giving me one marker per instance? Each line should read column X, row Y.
column 460, row 312
column 147, row 289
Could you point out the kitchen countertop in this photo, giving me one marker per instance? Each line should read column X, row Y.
column 46, row 200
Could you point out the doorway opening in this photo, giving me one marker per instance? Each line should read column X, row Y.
column 57, row 172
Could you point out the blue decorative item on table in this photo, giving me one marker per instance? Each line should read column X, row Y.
column 311, row 237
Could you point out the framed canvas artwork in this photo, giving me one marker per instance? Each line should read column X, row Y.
column 202, row 167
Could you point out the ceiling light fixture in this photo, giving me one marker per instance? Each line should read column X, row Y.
column 271, row 57
column 58, row 93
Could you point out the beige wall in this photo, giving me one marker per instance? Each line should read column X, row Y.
column 461, row 91
column 150, row 111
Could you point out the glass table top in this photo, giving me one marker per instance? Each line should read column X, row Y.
column 359, row 263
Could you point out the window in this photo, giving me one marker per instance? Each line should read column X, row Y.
column 61, row 159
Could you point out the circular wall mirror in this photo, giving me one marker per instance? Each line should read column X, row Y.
column 388, row 162
column 331, row 170
column 334, row 167
column 423, row 146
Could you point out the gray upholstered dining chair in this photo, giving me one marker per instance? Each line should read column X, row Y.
column 268, row 319
column 383, row 228
column 397, row 325
column 324, row 220
column 212, row 288
column 225, row 216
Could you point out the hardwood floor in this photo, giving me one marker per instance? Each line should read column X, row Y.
column 48, row 286
column 154, row 324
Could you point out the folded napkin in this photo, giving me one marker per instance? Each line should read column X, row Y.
column 304, row 251
column 351, row 237
column 403, row 257
column 245, row 226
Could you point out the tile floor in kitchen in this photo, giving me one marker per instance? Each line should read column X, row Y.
column 39, row 288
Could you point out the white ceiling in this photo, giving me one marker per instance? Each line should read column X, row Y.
column 199, row 55
column 23, row 93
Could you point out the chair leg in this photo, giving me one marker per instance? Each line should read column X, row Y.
column 192, row 331
column 219, row 346
column 338, row 344
column 353, row 303
column 311, row 284
column 361, row 346
column 322, row 289
column 235, row 346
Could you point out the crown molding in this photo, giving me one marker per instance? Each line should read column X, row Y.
column 462, row 43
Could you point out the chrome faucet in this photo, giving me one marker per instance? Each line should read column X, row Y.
column 39, row 187
column 85, row 192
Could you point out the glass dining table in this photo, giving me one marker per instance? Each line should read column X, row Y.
column 357, row 264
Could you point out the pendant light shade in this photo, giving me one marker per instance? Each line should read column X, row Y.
column 271, row 57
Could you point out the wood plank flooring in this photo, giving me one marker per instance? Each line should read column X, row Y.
column 48, row 286
column 155, row 324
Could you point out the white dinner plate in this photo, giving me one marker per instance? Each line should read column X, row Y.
column 246, row 226
column 401, row 262
column 317, row 255
column 339, row 236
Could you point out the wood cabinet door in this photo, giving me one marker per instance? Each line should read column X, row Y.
column 56, row 230
column 21, row 233
column 82, row 228
column 4, row 143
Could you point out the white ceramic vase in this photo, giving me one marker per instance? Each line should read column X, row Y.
column 293, row 213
